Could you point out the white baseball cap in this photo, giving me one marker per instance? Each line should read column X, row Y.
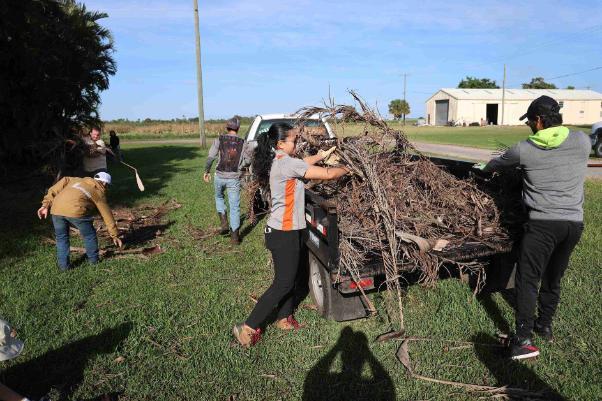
column 103, row 177
column 10, row 347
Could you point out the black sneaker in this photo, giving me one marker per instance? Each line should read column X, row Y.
column 544, row 331
column 522, row 348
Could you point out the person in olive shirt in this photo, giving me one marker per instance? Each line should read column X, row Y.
column 72, row 201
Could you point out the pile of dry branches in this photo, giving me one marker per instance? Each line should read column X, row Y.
column 398, row 206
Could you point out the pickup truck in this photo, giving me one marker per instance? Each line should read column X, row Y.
column 333, row 291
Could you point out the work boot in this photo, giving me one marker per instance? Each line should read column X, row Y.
column 288, row 323
column 522, row 348
column 234, row 237
column 224, row 229
column 544, row 331
column 246, row 336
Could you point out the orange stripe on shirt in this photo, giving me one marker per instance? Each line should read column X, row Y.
column 289, row 204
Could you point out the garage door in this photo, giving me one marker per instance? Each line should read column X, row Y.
column 441, row 112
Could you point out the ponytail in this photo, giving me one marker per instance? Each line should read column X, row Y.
column 265, row 151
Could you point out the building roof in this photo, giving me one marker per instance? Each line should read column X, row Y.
column 521, row 94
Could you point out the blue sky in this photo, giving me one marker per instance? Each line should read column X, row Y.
column 268, row 56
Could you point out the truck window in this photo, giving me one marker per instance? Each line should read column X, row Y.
column 265, row 125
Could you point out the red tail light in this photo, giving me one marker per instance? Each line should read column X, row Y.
column 367, row 282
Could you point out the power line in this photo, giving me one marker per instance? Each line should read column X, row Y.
column 575, row 73
column 572, row 74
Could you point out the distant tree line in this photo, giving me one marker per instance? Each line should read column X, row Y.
column 477, row 83
column 55, row 59
column 243, row 120
column 486, row 83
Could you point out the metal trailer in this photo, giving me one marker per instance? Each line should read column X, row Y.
column 337, row 296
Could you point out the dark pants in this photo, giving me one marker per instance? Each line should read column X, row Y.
column 287, row 287
column 544, row 256
column 86, row 228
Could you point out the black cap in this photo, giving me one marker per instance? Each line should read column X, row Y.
column 233, row 124
column 542, row 106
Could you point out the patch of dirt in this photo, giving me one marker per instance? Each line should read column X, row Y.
column 138, row 227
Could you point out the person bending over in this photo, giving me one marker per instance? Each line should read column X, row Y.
column 71, row 202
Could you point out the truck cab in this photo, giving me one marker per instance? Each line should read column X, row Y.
column 263, row 122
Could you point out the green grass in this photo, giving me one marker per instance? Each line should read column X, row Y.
column 159, row 329
column 491, row 137
column 145, row 136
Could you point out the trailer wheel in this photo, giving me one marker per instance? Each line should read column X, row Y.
column 330, row 303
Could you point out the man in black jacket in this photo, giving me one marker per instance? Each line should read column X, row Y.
column 231, row 152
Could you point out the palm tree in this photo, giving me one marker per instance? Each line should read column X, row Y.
column 399, row 108
column 58, row 59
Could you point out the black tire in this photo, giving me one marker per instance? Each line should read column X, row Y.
column 598, row 145
column 330, row 303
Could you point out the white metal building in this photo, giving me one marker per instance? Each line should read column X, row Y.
column 485, row 105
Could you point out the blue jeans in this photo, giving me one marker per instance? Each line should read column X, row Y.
column 88, row 232
column 232, row 185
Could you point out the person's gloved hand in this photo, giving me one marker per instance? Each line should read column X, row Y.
column 479, row 166
column 328, row 157
column 325, row 153
column 332, row 160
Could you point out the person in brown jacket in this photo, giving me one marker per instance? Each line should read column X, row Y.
column 72, row 201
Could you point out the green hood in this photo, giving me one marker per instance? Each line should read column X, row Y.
column 550, row 138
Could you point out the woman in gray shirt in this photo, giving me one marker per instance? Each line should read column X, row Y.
column 275, row 166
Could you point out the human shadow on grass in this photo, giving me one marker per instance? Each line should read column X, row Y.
column 513, row 374
column 350, row 383
column 19, row 201
column 248, row 229
column 62, row 370
column 495, row 312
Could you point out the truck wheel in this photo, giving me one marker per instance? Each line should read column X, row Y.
column 330, row 303
column 598, row 146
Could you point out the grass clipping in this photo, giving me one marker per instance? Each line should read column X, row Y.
column 397, row 205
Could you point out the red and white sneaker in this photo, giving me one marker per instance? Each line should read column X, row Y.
column 522, row 348
column 246, row 336
column 288, row 323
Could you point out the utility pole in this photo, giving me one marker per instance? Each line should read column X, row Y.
column 405, row 76
column 404, row 85
column 199, row 74
column 503, row 94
